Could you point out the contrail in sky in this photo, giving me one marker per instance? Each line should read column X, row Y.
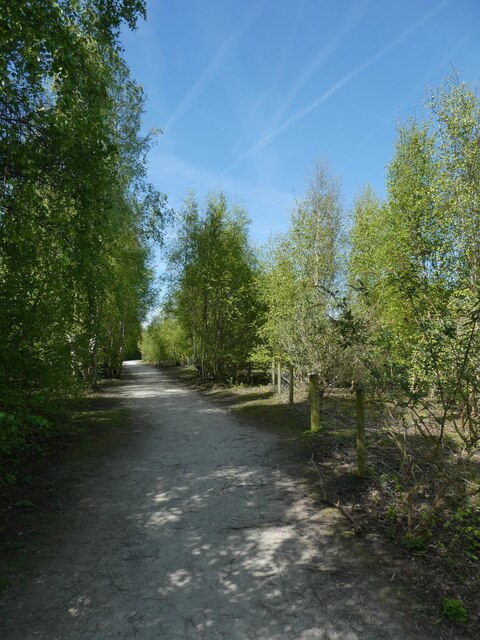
column 216, row 62
column 286, row 124
column 284, row 57
column 325, row 52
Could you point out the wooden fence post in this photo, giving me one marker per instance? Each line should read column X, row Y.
column 290, row 383
column 361, row 444
column 314, row 402
column 279, row 377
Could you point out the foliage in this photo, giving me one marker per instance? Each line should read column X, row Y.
column 413, row 316
column 77, row 218
column 213, row 290
column 301, row 270
column 453, row 609
column 278, row 286
column 463, row 534
column 164, row 341
column 15, row 432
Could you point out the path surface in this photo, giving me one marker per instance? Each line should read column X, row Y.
column 193, row 528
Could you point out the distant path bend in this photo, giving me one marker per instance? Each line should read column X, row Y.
column 193, row 528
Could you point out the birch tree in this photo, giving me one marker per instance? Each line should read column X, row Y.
column 213, row 286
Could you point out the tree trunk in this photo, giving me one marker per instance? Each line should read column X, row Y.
column 290, row 383
column 314, row 402
column 361, row 444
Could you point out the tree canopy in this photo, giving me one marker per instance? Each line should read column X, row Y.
column 212, row 286
column 77, row 217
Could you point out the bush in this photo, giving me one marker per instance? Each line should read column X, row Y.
column 20, row 433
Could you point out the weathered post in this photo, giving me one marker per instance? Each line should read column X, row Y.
column 361, row 444
column 314, row 402
column 290, row 383
column 279, row 377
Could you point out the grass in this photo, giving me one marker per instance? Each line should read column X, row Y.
column 33, row 497
column 266, row 411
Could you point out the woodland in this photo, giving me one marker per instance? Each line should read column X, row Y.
column 385, row 298
column 78, row 219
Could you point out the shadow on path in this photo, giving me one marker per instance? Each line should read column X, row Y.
column 194, row 528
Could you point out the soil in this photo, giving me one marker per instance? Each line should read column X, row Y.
column 181, row 518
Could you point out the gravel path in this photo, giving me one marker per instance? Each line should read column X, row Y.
column 194, row 528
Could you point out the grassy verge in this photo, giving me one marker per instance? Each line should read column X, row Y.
column 37, row 479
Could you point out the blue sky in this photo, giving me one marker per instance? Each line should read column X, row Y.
column 251, row 93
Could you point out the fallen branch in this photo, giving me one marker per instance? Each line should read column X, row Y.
column 336, row 505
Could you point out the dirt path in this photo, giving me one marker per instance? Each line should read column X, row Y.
column 194, row 528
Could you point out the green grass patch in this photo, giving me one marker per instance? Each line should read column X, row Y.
column 25, row 439
column 266, row 413
column 454, row 610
